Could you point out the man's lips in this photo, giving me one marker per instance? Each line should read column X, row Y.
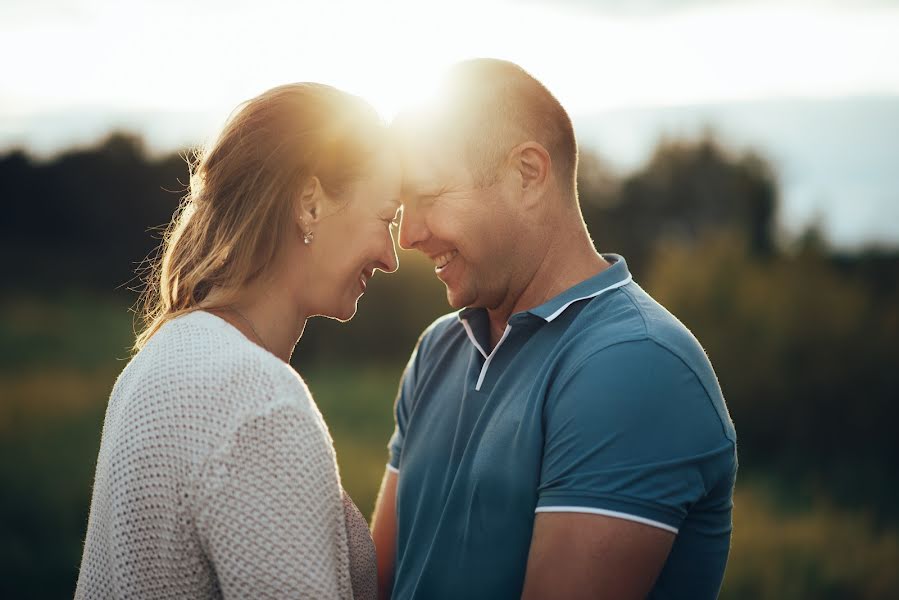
column 442, row 260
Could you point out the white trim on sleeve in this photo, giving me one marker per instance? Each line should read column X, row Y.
column 606, row 513
column 392, row 469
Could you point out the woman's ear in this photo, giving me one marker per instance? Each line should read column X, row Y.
column 310, row 203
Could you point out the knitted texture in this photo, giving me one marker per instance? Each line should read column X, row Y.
column 216, row 477
column 363, row 563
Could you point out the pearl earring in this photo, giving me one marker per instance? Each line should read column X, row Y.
column 308, row 236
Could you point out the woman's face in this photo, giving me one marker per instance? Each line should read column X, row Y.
column 352, row 239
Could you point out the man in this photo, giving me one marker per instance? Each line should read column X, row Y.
column 562, row 436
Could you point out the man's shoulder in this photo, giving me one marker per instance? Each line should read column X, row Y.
column 633, row 333
column 632, row 315
column 440, row 330
column 442, row 336
column 442, row 324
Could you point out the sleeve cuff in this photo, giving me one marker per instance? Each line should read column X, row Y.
column 607, row 513
column 631, row 509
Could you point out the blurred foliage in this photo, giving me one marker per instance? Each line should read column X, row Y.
column 803, row 339
column 818, row 553
column 686, row 189
column 806, row 356
column 391, row 315
column 83, row 218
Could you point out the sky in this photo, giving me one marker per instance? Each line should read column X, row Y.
column 71, row 67
column 209, row 55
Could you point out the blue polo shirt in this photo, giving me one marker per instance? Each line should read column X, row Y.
column 598, row 401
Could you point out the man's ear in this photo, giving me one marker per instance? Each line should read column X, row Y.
column 309, row 203
column 533, row 164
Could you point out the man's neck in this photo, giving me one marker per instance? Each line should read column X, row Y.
column 566, row 263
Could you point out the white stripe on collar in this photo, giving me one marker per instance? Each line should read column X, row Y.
column 472, row 338
column 614, row 286
column 483, row 374
column 489, row 357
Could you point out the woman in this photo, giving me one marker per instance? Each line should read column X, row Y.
column 216, row 475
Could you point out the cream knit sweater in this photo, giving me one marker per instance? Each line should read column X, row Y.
column 216, row 477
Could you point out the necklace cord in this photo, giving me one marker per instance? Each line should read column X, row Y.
column 250, row 325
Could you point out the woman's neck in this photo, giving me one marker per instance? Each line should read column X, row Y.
column 269, row 320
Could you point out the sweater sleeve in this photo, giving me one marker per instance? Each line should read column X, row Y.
column 268, row 509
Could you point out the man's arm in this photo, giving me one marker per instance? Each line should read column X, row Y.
column 578, row 555
column 384, row 533
column 632, row 442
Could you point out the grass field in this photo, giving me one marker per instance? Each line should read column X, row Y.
column 58, row 361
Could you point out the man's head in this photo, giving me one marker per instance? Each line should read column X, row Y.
column 489, row 169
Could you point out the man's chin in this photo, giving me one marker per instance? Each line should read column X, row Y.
column 457, row 300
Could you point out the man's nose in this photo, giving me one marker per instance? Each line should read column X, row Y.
column 413, row 230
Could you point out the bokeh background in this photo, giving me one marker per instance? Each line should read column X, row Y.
column 743, row 156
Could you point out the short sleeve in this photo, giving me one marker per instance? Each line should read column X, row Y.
column 402, row 408
column 269, row 510
column 630, row 432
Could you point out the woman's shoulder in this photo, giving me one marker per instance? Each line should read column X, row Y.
column 200, row 359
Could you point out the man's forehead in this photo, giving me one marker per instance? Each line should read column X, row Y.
column 427, row 164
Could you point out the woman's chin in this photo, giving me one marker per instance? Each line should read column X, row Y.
column 345, row 313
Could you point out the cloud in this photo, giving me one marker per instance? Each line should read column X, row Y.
column 658, row 8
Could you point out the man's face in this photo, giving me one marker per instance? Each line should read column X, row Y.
column 465, row 229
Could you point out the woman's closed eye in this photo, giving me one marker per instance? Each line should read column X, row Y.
column 394, row 221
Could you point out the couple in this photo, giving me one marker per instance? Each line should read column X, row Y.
column 562, row 436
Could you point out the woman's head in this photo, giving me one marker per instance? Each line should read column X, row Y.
column 287, row 198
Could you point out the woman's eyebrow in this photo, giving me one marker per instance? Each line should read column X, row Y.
column 392, row 207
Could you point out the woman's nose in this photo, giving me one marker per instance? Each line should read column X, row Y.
column 389, row 260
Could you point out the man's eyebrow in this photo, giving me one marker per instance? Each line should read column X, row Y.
column 411, row 188
column 422, row 189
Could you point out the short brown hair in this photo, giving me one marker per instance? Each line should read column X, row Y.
column 488, row 106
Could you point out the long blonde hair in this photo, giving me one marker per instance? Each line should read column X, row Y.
column 239, row 206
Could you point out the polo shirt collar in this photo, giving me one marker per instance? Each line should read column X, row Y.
column 615, row 276
column 475, row 320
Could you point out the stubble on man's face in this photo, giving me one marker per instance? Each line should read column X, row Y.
column 462, row 215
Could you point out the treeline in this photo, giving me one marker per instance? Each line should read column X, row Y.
column 804, row 338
